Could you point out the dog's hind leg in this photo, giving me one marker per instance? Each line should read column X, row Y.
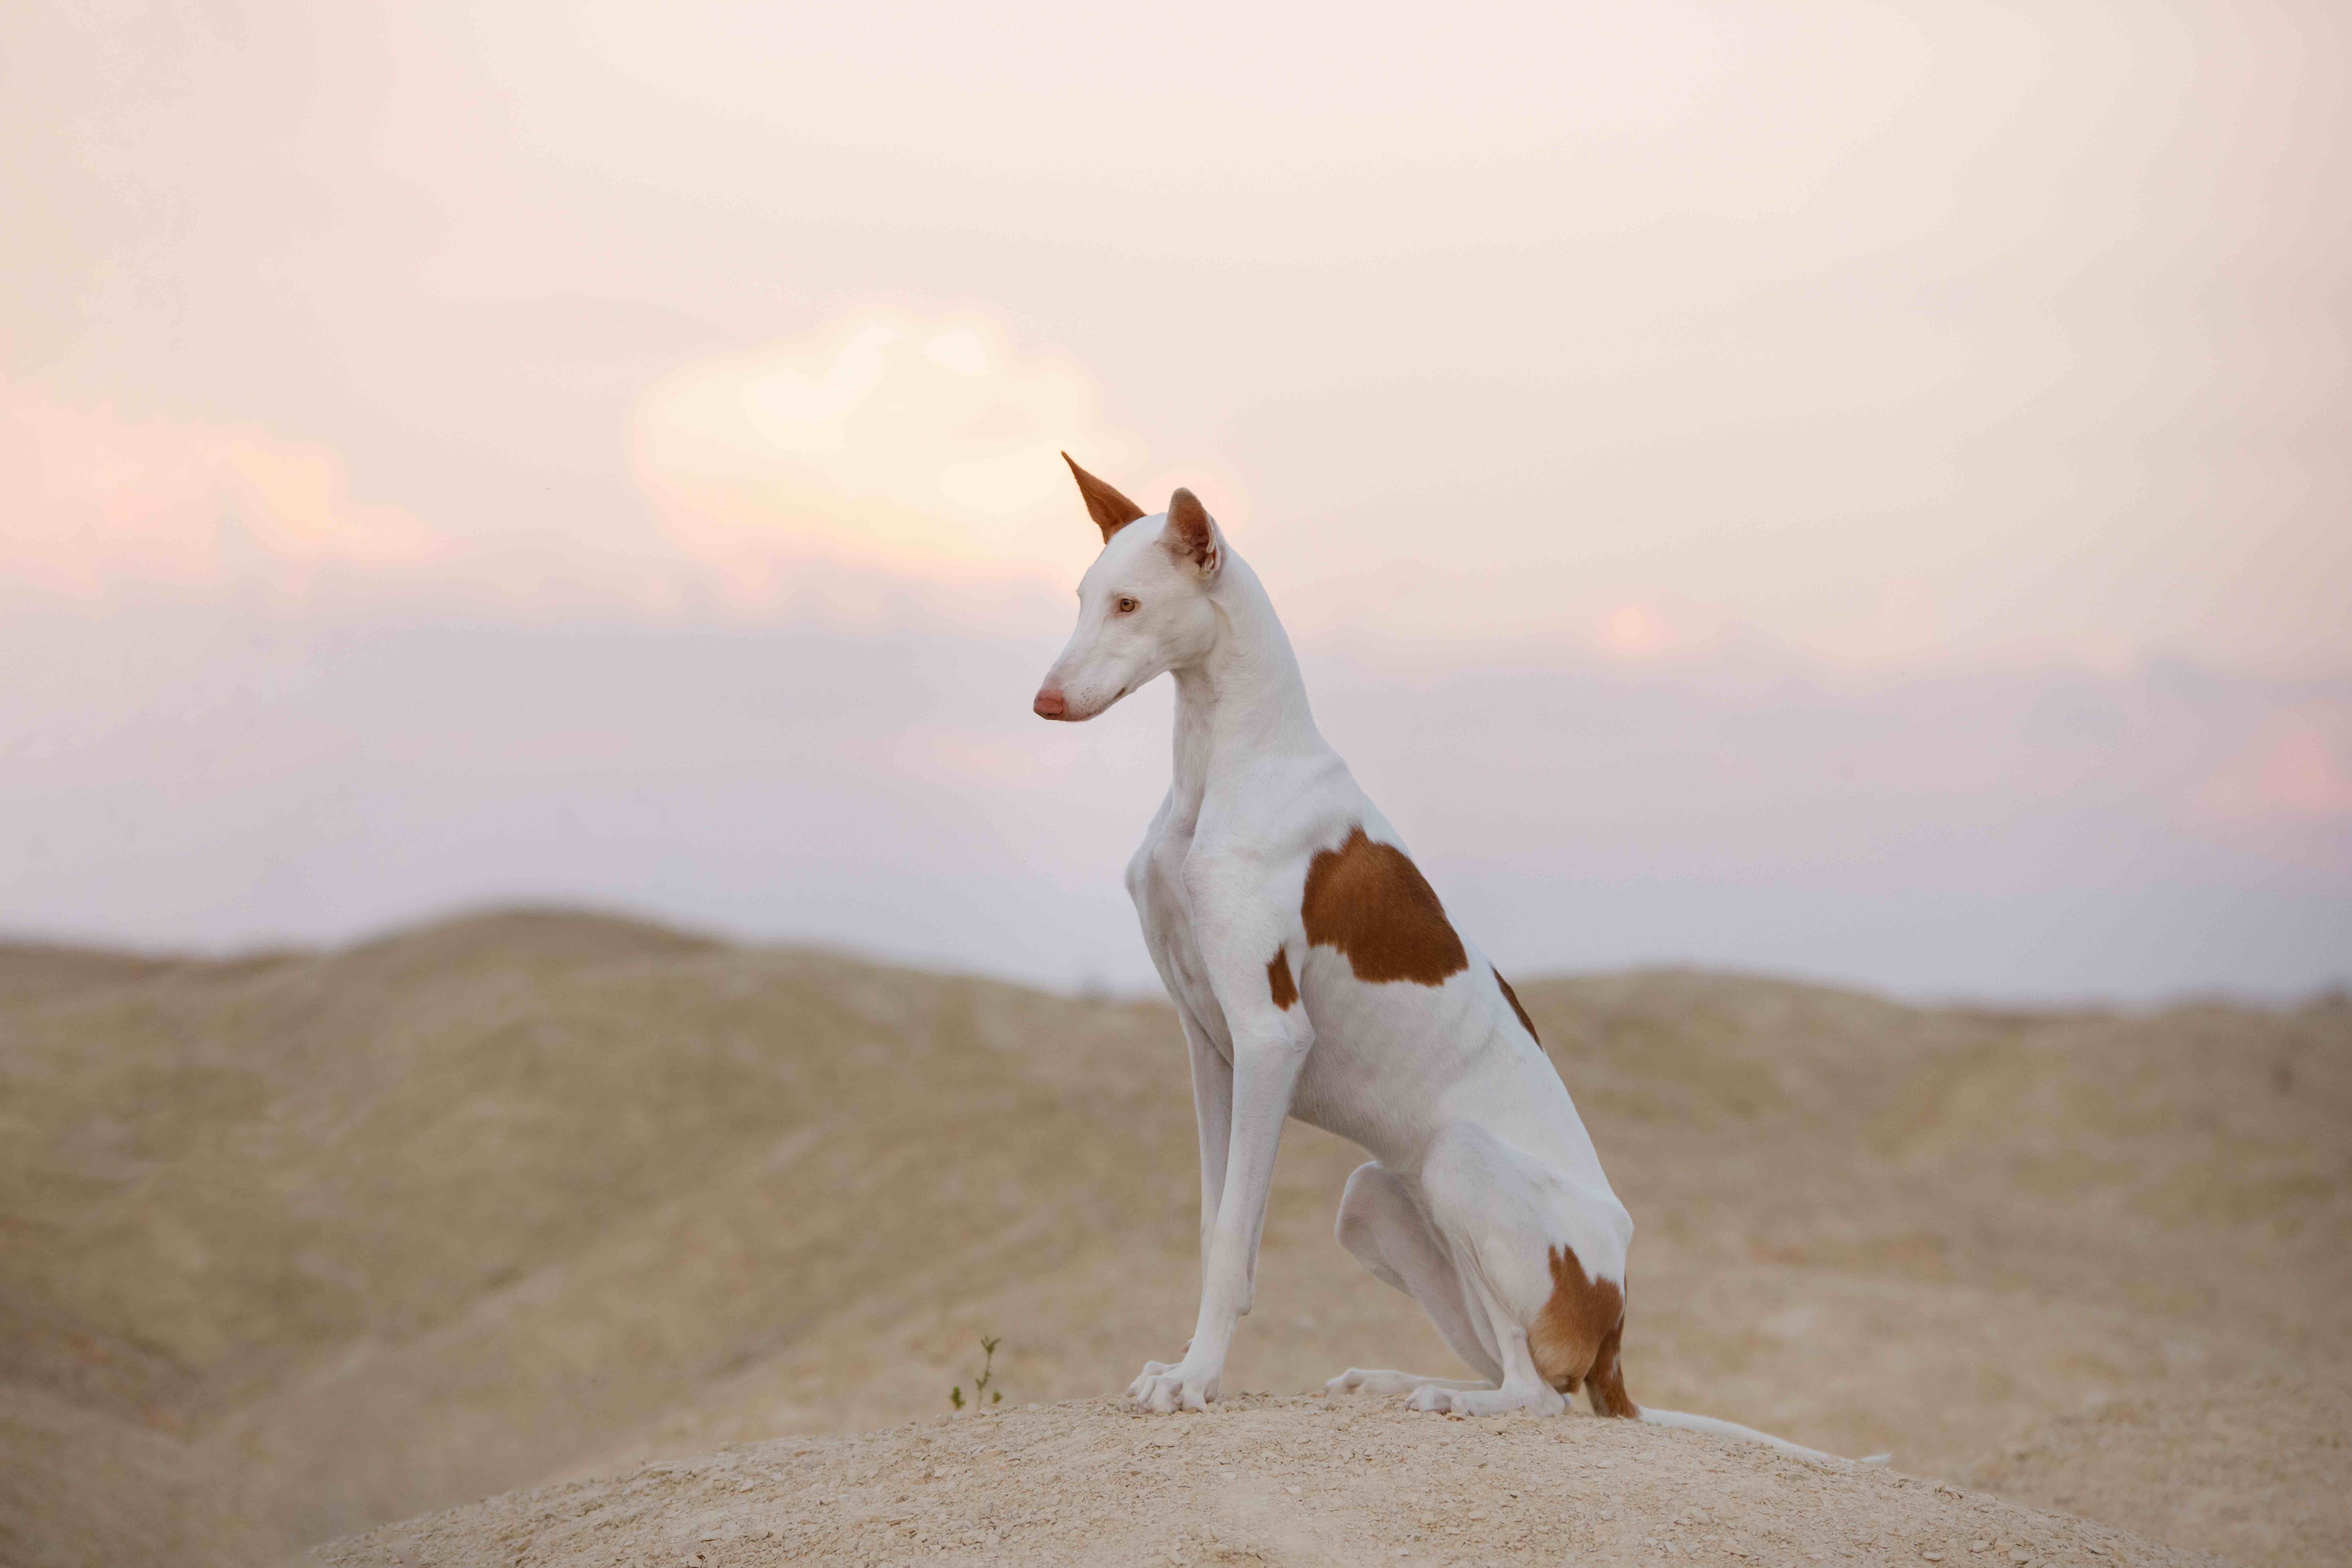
column 1381, row 1224
column 1514, row 1224
column 1522, row 1387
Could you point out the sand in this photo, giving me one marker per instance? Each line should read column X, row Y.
column 1258, row 1480
column 305, row 1243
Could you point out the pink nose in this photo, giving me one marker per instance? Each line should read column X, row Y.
column 1048, row 704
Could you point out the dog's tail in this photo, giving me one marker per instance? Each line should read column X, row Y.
column 1571, row 1347
column 1721, row 1429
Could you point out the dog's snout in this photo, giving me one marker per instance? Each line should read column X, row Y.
column 1049, row 704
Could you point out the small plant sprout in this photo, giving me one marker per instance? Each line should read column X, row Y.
column 982, row 1394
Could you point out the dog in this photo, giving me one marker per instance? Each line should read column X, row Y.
column 1316, row 974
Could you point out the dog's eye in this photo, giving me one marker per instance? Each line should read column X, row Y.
column 1127, row 606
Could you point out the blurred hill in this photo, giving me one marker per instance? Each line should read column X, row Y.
column 302, row 1242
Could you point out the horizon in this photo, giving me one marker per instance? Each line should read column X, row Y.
column 2334, row 994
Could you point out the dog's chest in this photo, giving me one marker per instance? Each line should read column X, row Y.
column 1164, row 908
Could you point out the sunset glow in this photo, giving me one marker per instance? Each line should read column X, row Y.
column 1689, row 401
column 933, row 444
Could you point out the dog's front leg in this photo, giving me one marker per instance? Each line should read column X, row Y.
column 1213, row 1112
column 1270, row 1046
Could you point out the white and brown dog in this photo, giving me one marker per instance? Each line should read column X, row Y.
column 1317, row 975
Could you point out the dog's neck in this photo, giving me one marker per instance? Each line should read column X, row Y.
column 1244, row 696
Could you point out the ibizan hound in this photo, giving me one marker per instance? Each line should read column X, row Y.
column 1316, row 975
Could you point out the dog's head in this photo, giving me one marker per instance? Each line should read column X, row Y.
column 1144, row 606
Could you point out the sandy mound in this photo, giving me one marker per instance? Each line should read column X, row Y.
column 302, row 1242
column 1256, row 1480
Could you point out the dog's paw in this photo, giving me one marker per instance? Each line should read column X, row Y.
column 1432, row 1399
column 1163, row 1388
column 1443, row 1400
column 1359, row 1380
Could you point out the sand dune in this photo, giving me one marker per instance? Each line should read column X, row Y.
column 303, row 1243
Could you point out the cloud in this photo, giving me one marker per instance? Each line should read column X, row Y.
column 929, row 445
column 96, row 503
column 885, row 457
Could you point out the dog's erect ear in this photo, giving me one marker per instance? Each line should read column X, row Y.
column 1192, row 531
column 1110, row 509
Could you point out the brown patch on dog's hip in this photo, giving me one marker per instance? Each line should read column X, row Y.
column 1370, row 901
column 1605, row 1383
column 1576, row 1337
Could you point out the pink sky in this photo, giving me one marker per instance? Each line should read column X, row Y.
column 1854, row 489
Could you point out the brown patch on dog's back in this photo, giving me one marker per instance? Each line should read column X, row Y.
column 1278, row 981
column 1575, row 1338
column 1513, row 998
column 1370, row 901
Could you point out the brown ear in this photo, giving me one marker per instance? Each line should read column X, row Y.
column 1190, row 529
column 1110, row 509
